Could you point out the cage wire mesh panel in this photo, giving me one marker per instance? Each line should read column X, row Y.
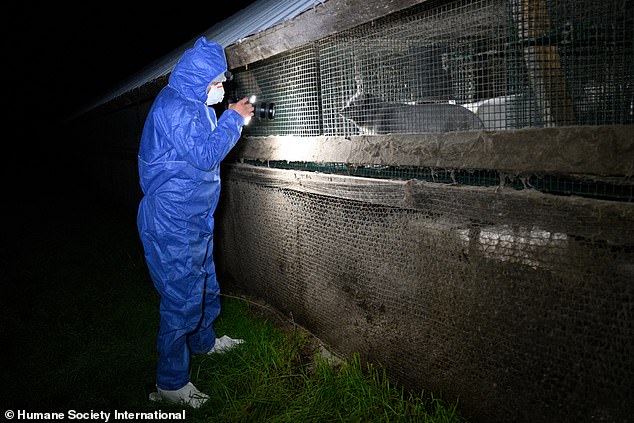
column 453, row 66
column 445, row 66
column 464, row 280
column 290, row 82
column 519, row 303
column 580, row 59
column 422, row 70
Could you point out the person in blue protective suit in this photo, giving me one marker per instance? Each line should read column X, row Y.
column 182, row 145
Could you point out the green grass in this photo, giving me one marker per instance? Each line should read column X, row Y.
column 81, row 322
column 278, row 376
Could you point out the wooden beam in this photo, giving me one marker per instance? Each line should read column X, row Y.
column 544, row 63
column 590, row 150
column 314, row 24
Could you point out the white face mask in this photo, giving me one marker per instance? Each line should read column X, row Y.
column 215, row 95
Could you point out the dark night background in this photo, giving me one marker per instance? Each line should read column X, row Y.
column 57, row 58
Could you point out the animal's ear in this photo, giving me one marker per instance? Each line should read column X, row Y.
column 359, row 82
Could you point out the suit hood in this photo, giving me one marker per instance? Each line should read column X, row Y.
column 196, row 68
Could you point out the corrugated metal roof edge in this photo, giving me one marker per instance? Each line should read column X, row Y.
column 259, row 16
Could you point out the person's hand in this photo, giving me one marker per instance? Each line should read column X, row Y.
column 243, row 107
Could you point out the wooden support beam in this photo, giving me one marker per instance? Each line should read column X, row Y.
column 314, row 24
column 543, row 61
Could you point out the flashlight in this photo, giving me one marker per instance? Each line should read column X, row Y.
column 261, row 110
column 248, row 118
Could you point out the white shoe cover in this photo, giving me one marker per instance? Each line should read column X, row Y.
column 224, row 344
column 188, row 395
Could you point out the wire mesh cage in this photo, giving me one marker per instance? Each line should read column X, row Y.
column 525, row 287
column 449, row 254
column 421, row 70
column 290, row 82
column 456, row 65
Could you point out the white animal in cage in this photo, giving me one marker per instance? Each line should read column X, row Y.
column 375, row 116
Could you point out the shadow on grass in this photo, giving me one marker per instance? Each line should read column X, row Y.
column 81, row 314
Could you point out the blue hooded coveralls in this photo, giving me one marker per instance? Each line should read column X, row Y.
column 182, row 145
